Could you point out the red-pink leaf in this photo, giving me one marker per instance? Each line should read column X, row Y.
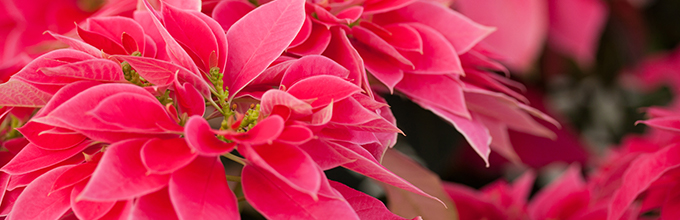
column 189, row 99
column 178, row 22
column 316, row 43
column 73, row 176
column 200, row 191
column 288, row 163
column 50, row 137
column 77, row 44
column 94, row 69
column 200, row 138
column 341, row 50
column 641, row 173
column 120, row 210
column 336, row 89
column 309, row 66
column 134, row 113
column 408, row 204
column 257, row 39
column 295, row 135
column 21, row 94
column 87, row 209
column 462, row 32
column 273, row 98
column 160, row 72
column 380, row 6
column 366, row 207
column 276, row 199
column 36, row 201
column 367, row 165
column 101, row 42
column 403, row 37
column 437, row 57
column 174, row 50
column 436, row 90
column 382, row 69
column 228, row 12
column 264, row 132
column 154, row 205
column 374, row 42
column 33, row 158
column 166, row 156
column 121, row 174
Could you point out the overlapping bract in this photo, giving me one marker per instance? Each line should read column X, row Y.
column 122, row 128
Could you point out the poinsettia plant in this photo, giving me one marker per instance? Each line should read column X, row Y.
column 189, row 109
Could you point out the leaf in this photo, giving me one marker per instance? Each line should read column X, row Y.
column 275, row 199
column 365, row 206
column 641, row 173
column 36, row 201
column 174, row 50
column 121, row 174
column 21, row 94
column 441, row 91
column 166, row 156
column 258, row 38
column 202, row 139
column 134, row 113
column 200, row 191
column 335, row 89
column 33, row 158
column 459, row 30
column 161, row 72
column 93, row 69
column 154, row 205
column 366, row 164
column 50, row 137
column 288, row 163
column 312, row 65
column 87, row 209
column 408, row 204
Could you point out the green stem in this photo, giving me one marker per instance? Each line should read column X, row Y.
column 234, row 158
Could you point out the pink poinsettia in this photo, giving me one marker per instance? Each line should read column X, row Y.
column 406, row 47
column 120, row 131
column 569, row 27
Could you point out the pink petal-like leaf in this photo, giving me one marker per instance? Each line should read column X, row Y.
column 160, row 72
column 33, row 158
column 146, row 114
column 50, row 137
column 640, row 175
column 367, row 165
column 73, row 175
column 154, row 205
column 21, row 94
column 309, row 66
column 287, row 163
column 273, row 98
column 121, row 174
column 228, row 12
column 366, row 207
column 174, row 50
column 200, row 191
column 336, row 89
column 438, row 55
column 94, row 69
column 166, row 156
column 257, row 39
column 276, row 199
column 178, row 22
column 200, row 138
column 84, row 209
column 462, row 32
column 436, row 90
column 36, row 201
column 316, row 43
column 410, row 205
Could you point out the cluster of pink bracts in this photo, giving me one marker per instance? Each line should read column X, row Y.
column 115, row 124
